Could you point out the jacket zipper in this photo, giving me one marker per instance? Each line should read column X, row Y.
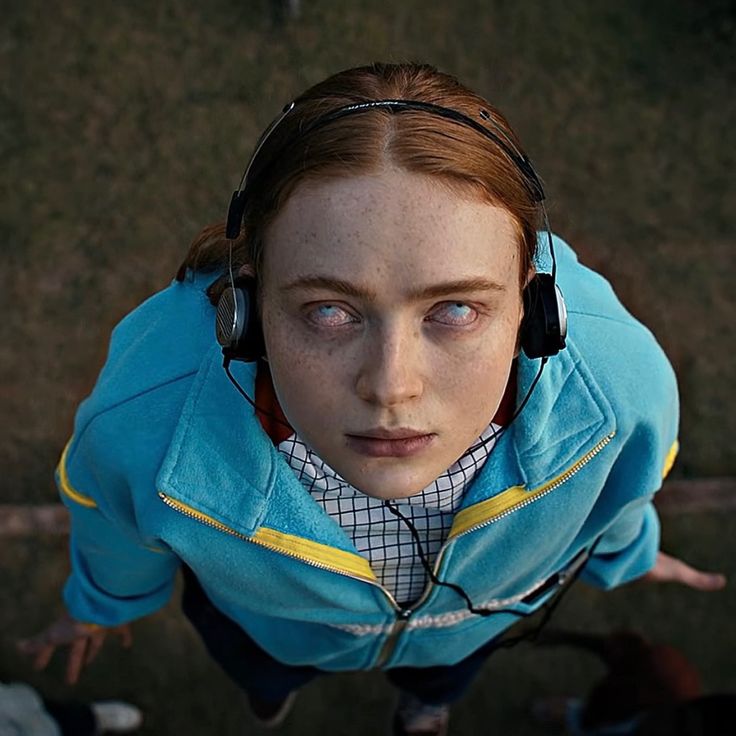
column 402, row 619
column 541, row 491
column 202, row 519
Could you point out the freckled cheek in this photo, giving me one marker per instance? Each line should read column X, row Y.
column 307, row 381
column 474, row 385
column 290, row 358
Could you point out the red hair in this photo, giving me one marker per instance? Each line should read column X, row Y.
column 364, row 143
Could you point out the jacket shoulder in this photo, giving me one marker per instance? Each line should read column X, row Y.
column 623, row 355
column 587, row 292
column 159, row 343
column 619, row 349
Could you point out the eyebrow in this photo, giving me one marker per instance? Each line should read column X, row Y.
column 435, row 290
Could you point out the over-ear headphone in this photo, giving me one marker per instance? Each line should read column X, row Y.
column 544, row 326
column 237, row 325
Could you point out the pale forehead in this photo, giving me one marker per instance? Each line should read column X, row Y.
column 390, row 225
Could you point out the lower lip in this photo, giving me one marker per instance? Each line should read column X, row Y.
column 375, row 447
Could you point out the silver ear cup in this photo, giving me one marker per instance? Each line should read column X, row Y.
column 231, row 317
column 562, row 312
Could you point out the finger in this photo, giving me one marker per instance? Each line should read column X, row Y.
column 35, row 644
column 27, row 646
column 126, row 636
column 706, row 581
column 75, row 661
column 680, row 572
column 43, row 656
column 95, row 644
column 672, row 569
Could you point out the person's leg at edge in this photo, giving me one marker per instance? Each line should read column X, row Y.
column 269, row 684
column 426, row 693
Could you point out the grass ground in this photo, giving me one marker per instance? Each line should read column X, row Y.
column 125, row 126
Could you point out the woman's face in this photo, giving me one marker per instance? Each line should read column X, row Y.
column 391, row 307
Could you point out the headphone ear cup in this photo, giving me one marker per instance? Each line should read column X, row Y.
column 544, row 328
column 237, row 326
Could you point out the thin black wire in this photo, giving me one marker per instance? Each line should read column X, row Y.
column 496, row 433
column 425, row 563
column 548, row 607
column 226, row 366
column 545, row 217
column 430, row 572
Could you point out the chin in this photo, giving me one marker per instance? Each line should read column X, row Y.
column 387, row 485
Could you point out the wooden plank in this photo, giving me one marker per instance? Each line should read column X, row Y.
column 703, row 494
column 676, row 497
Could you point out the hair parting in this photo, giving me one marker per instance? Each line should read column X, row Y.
column 457, row 156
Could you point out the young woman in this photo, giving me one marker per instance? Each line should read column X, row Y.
column 429, row 457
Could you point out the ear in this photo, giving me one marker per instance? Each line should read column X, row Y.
column 531, row 273
column 247, row 271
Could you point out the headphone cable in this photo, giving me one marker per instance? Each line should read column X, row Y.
column 498, row 433
column 226, row 365
column 549, row 607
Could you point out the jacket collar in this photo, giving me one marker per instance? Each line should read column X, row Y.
column 220, row 461
column 566, row 415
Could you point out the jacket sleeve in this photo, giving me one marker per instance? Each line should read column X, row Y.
column 628, row 540
column 627, row 549
column 117, row 573
column 107, row 475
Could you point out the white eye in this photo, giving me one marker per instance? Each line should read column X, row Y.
column 330, row 315
column 455, row 314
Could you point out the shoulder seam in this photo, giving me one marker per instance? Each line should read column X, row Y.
column 141, row 393
column 77, row 436
column 631, row 322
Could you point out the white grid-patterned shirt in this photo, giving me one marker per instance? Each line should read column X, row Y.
column 379, row 535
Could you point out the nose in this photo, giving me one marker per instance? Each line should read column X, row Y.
column 390, row 372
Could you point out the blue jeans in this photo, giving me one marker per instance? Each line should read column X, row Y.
column 265, row 678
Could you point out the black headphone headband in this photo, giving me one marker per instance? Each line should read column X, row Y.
column 499, row 138
column 545, row 324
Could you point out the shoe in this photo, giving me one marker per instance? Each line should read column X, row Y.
column 415, row 718
column 114, row 716
column 271, row 714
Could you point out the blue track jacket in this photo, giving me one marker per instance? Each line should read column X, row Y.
column 168, row 463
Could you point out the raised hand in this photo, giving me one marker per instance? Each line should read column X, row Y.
column 84, row 642
column 668, row 569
